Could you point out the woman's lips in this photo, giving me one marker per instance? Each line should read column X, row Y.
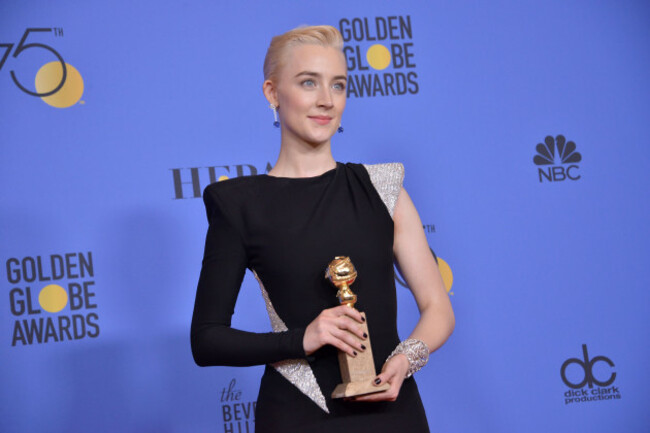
column 321, row 120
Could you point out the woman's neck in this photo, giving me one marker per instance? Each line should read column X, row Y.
column 303, row 161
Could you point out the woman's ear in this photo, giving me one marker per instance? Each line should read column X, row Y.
column 270, row 92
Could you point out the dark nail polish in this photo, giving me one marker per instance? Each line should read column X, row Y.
column 365, row 335
column 363, row 319
column 363, row 347
column 355, row 352
column 377, row 381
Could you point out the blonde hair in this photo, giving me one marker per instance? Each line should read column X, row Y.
column 325, row 36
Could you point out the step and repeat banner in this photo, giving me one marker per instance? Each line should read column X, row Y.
column 522, row 125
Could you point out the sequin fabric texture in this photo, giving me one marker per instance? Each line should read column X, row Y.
column 416, row 351
column 387, row 180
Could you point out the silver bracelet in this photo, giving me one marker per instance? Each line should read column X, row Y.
column 416, row 351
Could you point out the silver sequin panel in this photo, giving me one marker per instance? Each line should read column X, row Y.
column 296, row 371
column 387, row 179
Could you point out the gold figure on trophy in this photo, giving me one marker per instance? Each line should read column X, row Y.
column 357, row 372
column 341, row 273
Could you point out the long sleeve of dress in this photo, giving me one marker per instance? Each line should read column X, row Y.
column 225, row 261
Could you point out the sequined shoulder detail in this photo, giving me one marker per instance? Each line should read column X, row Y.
column 387, row 179
column 296, row 371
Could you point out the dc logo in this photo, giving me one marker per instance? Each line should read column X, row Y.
column 587, row 366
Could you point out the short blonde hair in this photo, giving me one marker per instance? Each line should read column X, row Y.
column 325, row 36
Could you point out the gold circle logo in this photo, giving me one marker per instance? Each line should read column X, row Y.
column 447, row 275
column 53, row 298
column 378, row 56
column 49, row 76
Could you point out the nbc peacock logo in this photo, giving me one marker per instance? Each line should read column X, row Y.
column 557, row 160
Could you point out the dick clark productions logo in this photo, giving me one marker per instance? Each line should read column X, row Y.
column 579, row 373
column 557, row 160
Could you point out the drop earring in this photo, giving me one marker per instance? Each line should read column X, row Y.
column 340, row 129
column 276, row 123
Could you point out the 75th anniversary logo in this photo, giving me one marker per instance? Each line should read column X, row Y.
column 57, row 83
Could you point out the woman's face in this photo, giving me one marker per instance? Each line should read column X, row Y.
column 311, row 91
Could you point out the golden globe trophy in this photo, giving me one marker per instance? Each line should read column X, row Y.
column 358, row 372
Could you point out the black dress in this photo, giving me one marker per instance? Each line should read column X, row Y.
column 287, row 230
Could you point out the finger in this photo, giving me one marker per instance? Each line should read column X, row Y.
column 388, row 376
column 385, row 376
column 393, row 378
column 344, row 310
column 348, row 338
column 340, row 344
column 350, row 325
column 387, row 395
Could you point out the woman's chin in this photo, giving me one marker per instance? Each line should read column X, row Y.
column 316, row 140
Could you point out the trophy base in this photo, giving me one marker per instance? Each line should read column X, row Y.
column 352, row 389
column 358, row 372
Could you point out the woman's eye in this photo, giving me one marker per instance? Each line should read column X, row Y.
column 308, row 83
column 339, row 86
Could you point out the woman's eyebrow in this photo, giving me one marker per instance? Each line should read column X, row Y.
column 308, row 73
column 318, row 75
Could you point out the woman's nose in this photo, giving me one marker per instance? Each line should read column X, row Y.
column 325, row 98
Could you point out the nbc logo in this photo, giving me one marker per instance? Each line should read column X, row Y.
column 557, row 159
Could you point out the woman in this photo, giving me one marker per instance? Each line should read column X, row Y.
column 286, row 227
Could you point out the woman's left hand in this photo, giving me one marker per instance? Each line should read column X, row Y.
column 393, row 372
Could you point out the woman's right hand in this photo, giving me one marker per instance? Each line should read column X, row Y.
column 338, row 326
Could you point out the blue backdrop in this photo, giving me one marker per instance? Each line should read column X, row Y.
column 523, row 127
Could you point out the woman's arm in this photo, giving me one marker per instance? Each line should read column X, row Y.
column 213, row 341
column 421, row 273
column 420, row 270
